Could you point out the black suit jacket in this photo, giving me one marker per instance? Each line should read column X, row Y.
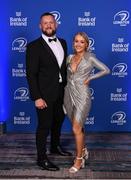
column 43, row 70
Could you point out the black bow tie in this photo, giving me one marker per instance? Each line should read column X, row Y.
column 53, row 39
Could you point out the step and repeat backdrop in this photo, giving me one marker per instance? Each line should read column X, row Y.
column 108, row 26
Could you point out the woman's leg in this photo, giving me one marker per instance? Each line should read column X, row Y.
column 85, row 152
column 79, row 140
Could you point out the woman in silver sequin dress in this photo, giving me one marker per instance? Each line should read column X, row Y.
column 77, row 99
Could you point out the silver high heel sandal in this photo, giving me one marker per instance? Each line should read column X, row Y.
column 73, row 169
column 85, row 153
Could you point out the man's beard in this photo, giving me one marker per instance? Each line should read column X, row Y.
column 51, row 34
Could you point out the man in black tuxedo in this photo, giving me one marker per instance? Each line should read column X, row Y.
column 46, row 75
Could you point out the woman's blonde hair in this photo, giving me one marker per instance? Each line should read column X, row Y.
column 85, row 36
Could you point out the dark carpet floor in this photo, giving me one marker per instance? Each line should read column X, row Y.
column 109, row 158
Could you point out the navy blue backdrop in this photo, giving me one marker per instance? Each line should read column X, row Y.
column 108, row 26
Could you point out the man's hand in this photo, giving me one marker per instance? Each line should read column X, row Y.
column 40, row 103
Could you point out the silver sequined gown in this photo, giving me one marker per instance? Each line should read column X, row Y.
column 77, row 98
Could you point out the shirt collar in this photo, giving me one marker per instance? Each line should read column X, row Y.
column 47, row 37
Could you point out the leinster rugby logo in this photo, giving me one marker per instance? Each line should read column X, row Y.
column 92, row 93
column 57, row 16
column 91, row 43
column 118, row 118
column 19, row 44
column 121, row 18
column 21, row 94
column 120, row 70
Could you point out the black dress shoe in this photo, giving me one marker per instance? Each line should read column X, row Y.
column 59, row 151
column 47, row 165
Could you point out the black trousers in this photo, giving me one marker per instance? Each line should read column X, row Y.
column 50, row 120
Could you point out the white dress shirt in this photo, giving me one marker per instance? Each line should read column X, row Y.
column 57, row 49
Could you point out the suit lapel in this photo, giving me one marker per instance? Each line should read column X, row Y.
column 48, row 49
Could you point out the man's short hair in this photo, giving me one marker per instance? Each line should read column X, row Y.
column 47, row 14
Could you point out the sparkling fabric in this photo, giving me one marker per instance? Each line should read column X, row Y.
column 77, row 98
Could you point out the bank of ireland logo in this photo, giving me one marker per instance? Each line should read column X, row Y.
column 91, row 43
column 18, row 14
column 119, row 70
column 90, row 120
column 18, row 20
column 121, row 18
column 21, row 94
column 118, row 118
column 22, row 118
column 57, row 16
column 19, row 44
